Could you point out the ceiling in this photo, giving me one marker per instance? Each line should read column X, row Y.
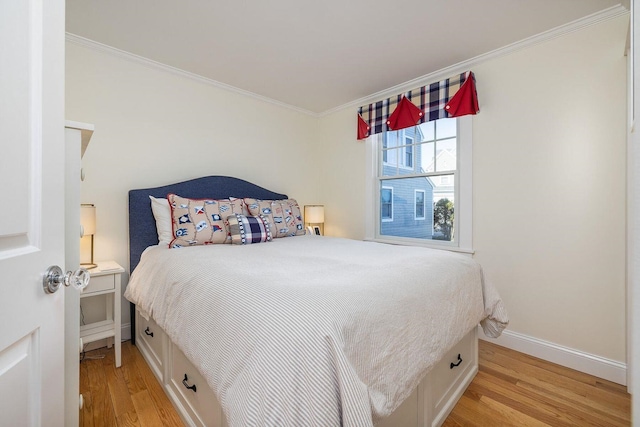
column 317, row 55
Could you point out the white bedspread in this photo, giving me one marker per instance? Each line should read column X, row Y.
column 308, row 331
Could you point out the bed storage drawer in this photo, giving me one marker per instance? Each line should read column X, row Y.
column 151, row 340
column 193, row 391
column 455, row 370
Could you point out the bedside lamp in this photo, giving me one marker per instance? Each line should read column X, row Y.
column 88, row 228
column 314, row 217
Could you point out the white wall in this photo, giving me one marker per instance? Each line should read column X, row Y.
column 153, row 128
column 549, row 186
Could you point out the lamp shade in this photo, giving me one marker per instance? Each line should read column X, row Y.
column 88, row 219
column 314, row 214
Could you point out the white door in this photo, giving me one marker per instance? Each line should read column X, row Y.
column 31, row 212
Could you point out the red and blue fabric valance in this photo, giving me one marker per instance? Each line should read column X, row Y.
column 452, row 97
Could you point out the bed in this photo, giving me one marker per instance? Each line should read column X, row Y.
column 303, row 330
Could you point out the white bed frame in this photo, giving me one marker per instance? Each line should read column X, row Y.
column 428, row 405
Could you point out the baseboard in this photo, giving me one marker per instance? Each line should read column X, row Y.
column 580, row 361
column 125, row 335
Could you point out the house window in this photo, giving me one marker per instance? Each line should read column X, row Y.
column 419, row 211
column 386, row 204
column 421, row 185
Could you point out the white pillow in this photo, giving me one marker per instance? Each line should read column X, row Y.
column 162, row 214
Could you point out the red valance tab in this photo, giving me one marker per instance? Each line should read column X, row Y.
column 363, row 128
column 465, row 101
column 405, row 115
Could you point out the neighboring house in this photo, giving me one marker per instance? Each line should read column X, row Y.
column 406, row 205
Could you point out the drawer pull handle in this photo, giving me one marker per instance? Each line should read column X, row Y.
column 453, row 365
column 186, row 384
column 146, row 331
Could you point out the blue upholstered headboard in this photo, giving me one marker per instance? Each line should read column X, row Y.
column 142, row 225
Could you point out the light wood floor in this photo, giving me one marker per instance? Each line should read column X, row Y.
column 511, row 389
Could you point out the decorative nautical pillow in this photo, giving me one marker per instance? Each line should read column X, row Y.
column 284, row 216
column 201, row 221
column 248, row 229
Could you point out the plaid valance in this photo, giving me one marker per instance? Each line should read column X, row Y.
column 436, row 101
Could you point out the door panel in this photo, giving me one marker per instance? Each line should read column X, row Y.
column 32, row 213
column 15, row 367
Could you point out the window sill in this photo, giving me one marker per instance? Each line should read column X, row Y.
column 443, row 247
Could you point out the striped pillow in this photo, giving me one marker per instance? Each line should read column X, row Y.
column 248, row 229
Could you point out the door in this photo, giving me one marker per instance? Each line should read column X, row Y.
column 32, row 211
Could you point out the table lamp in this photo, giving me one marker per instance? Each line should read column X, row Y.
column 314, row 217
column 88, row 228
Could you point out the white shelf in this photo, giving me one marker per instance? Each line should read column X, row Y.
column 97, row 331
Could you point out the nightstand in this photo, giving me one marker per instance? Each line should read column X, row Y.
column 105, row 280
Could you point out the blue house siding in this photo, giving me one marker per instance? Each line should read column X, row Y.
column 404, row 222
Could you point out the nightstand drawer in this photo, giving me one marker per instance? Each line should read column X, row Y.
column 101, row 283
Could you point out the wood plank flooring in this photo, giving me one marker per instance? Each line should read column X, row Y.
column 125, row 396
column 511, row 389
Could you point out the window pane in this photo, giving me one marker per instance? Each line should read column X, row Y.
column 425, row 156
column 399, row 161
column 403, row 222
column 420, row 208
column 425, row 131
column 391, row 138
column 446, row 128
column 390, row 161
column 386, row 203
column 446, row 155
column 443, row 207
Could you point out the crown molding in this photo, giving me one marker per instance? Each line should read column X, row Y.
column 149, row 63
column 460, row 67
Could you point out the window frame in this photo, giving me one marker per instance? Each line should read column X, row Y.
column 463, row 190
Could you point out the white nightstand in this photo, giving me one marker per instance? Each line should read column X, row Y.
column 105, row 280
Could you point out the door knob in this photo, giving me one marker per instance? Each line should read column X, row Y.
column 54, row 277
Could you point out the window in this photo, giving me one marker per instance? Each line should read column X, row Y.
column 419, row 211
column 408, row 152
column 420, row 185
column 386, row 204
